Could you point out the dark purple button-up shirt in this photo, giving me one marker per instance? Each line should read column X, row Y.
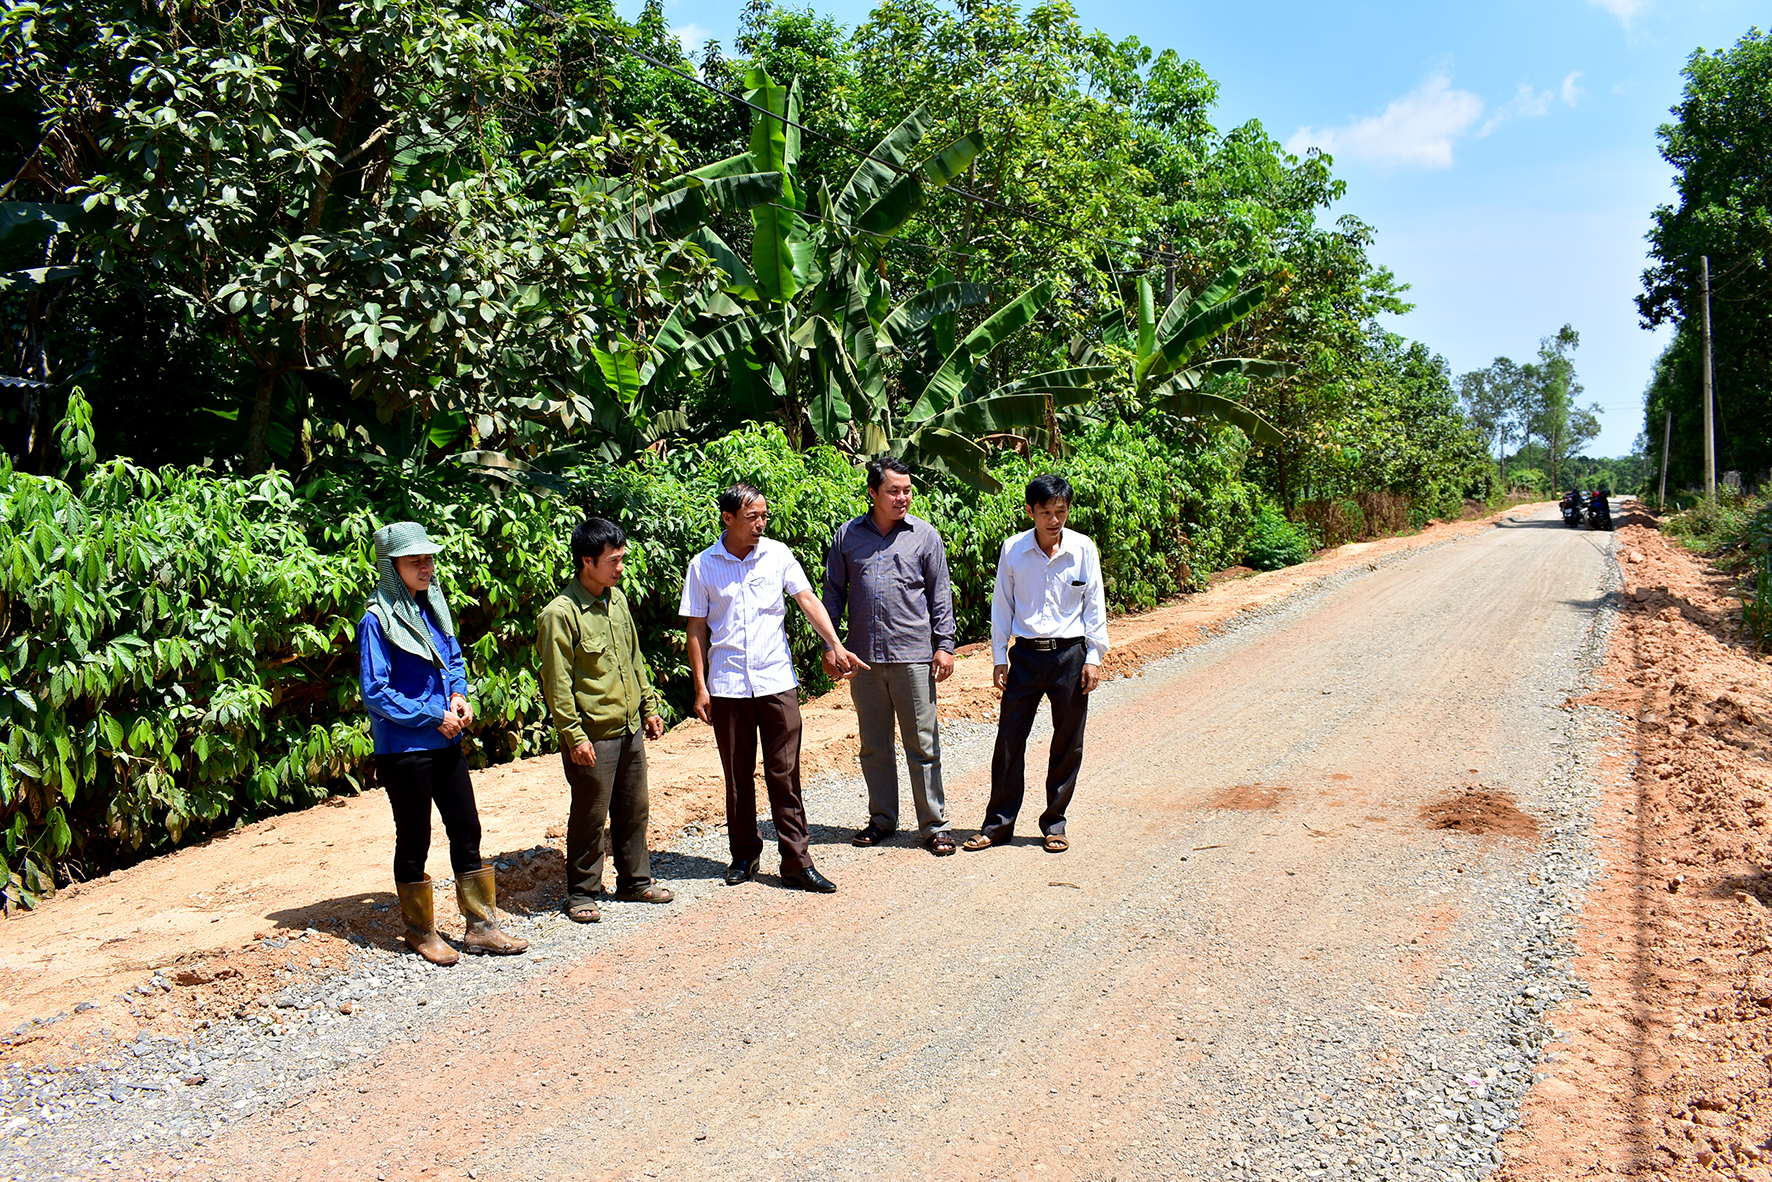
column 901, row 606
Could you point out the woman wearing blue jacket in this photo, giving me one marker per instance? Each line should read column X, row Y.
column 415, row 685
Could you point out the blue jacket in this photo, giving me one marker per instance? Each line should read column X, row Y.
column 407, row 696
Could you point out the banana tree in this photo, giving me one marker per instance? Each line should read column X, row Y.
column 951, row 401
column 1164, row 373
column 803, row 342
column 623, row 389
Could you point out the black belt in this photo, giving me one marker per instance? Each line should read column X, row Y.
column 1046, row 644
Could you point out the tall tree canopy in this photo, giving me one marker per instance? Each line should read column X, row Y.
column 1718, row 142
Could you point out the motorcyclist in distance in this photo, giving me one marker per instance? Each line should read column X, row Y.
column 1599, row 509
column 1571, row 507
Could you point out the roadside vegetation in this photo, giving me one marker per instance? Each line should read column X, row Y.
column 1735, row 532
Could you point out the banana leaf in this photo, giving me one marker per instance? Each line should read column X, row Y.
column 941, row 168
column 944, row 451
column 731, row 166
column 752, row 392
column 773, row 224
column 728, row 338
column 35, row 277
column 874, row 176
column 1005, row 412
column 1147, row 318
column 621, row 374
column 1195, row 405
column 906, row 196
column 828, row 410
column 947, row 383
column 23, row 223
column 746, row 190
column 1184, row 307
column 1080, row 377
column 739, row 280
column 1175, row 351
column 1195, row 377
column 922, row 308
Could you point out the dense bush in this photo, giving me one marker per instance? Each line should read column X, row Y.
column 1275, row 542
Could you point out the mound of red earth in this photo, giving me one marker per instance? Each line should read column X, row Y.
column 1479, row 811
column 1664, row 1071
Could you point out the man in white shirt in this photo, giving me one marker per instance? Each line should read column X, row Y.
column 735, row 600
column 1048, row 639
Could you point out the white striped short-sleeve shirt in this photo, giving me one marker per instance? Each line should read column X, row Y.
column 744, row 601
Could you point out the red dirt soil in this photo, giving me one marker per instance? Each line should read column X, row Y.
column 1664, row 1071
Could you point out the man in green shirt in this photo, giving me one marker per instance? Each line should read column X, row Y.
column 601, row 698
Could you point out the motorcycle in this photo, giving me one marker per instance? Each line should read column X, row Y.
column 1571, row 506
column 1599, row 513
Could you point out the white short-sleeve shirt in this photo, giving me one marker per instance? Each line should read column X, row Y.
column 744, row 601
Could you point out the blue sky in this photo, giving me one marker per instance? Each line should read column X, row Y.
column 1504, row 152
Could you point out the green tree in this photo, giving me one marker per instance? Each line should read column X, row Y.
column 1493, row 399
column 1548, row 409
column 1718, row 143
column 338, row 192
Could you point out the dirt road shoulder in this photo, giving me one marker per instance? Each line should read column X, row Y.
column 1663, row 1069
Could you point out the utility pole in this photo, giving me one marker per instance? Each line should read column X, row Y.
column 1667, row 436
column 1710, row 439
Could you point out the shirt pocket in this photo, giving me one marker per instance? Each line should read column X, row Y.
column 907, row 572
column 1070, row 593
column 765, row 595
column 593, row 651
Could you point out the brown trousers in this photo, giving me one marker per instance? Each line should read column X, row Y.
column 613, row 790
column 738, row 725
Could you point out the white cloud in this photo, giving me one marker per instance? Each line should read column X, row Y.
column 1417, row 129
column 1526, row 104
column 1624, row 10
column 692, row 37
column 1572, row 89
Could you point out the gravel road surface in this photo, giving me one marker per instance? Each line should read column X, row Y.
column 1276, row 949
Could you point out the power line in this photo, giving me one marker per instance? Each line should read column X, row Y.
column 901, row 170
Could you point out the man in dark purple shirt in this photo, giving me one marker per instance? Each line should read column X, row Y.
column 889, row 572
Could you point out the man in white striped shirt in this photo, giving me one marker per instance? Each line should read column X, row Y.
column 735, row 597
column 1048, row 640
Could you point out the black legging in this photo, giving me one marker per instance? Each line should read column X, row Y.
column 414, row 779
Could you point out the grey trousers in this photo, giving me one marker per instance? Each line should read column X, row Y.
column 904, row 693
column 613, row 791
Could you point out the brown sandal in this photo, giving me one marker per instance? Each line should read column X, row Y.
column 977, row 841
column 651, row 893
column 941, row 844
column 584, row 913
column 1056, row 843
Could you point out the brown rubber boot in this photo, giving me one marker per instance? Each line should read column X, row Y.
column 477, row 892
column 421, row 924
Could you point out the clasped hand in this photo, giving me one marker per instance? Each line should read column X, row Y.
column 458, row 717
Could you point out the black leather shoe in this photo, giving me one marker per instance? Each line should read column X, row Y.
column 808, row 879
column 741, row 870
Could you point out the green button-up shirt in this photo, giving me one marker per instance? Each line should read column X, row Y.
column 593, row 677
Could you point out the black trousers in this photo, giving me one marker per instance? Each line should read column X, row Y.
column 738, row 725
column 1057, row 675
column 415, row 780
